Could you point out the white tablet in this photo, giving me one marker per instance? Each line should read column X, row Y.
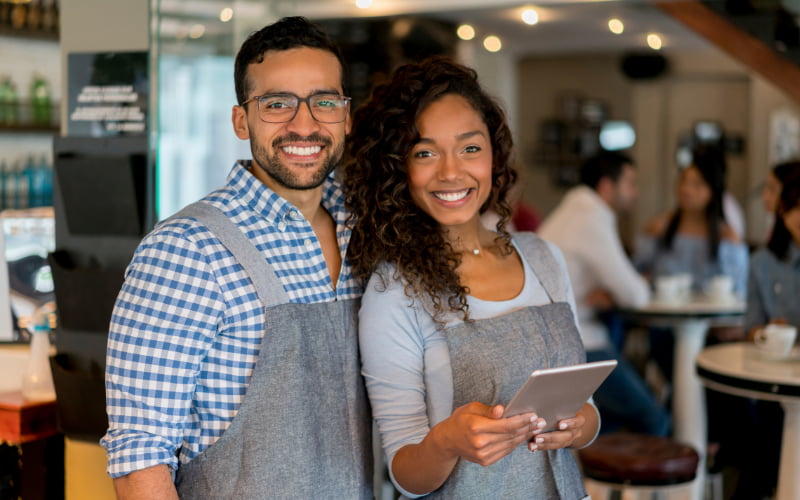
column 558, row 393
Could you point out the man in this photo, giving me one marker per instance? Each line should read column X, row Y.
column 232, row 359
column 584, row 226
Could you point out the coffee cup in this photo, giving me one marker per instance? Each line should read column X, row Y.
column 670, row 289
column 775, row 341
column 720, row 289
column 684, row 286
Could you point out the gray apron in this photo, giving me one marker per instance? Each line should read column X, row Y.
column 304, row 427
column 490, row 360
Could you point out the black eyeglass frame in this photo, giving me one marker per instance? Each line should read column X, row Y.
column 299, row 100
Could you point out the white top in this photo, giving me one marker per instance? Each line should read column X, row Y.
column 734, row 215
column 584, row 227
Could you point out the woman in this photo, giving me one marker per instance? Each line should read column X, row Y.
column 771, row 192
column 774, row 282
column 455, row 316
column 694, row 237
column 773, row 287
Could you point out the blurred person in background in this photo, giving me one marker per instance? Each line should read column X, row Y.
column 773, row 288
column 584, row 227
column 694, row 237
column 771, row 192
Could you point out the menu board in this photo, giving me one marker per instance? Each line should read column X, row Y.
column 108, row 94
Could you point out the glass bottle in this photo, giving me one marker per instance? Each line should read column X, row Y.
column 4, row 88
column 9, row 113
column 37, row 380
column 19, row 15
column 34, row 21
column 50, row 16
column 5, row 13
column 40, row 100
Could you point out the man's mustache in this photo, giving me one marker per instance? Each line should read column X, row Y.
column 292, row 137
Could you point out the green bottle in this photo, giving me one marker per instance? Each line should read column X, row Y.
column 3, row 98
column 40, row 100
column 8, row 102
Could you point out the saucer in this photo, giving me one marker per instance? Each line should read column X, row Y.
column 793, row 355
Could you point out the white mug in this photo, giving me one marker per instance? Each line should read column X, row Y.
column 670, row 289
column 775, row 341
column 720, row 289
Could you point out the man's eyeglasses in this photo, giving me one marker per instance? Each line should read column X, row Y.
column 281, row 108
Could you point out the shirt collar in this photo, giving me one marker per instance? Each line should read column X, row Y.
column 263, row 200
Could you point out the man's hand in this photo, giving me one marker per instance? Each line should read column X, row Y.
column 599, row 299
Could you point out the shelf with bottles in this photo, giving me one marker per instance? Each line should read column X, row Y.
column 34, row 113
column 26, row 184
column 45, row 120
column 29, row 19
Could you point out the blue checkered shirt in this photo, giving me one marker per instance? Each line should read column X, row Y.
column 187, row 325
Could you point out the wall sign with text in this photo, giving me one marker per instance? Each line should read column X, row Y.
column 108, row 94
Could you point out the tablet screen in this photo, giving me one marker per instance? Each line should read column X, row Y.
column 558, row 393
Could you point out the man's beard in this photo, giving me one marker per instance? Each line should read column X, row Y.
column 283, row 175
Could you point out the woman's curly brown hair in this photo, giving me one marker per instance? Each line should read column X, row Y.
column 387, row 225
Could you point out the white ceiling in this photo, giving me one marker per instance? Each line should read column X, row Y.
column 576, row 26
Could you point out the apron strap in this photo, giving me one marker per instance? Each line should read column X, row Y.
column 268, row 287
column 544, row 264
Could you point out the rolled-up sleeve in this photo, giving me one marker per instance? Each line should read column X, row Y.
column 163, row 323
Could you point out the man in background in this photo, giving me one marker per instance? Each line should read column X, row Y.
column 584, row 227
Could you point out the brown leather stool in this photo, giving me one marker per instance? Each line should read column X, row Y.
column 626, row 459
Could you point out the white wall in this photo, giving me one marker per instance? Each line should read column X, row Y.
column 705, row 85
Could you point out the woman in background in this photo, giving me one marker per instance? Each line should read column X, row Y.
column 694, row 238
column 771, row 192
column 773, row 288
column 455, row 316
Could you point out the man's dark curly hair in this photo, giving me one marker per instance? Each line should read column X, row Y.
column 287, row 33
column 387, row 224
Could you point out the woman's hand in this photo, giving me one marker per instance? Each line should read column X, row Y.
column 479, row 433
column 575, row 432
column 474, row 432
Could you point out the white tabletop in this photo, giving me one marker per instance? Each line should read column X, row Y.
column 698, row 306
column 741, row 367
column 691, row 321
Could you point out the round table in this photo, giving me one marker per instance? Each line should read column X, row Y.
column 738, row 369
column 691, row 322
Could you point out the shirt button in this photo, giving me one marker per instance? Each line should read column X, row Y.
column 281, row 226
column 293, row 214
column 308, row 243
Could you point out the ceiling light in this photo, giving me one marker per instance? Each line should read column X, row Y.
column 530, row 16
column 363, row 4
column 226, row 14
column 196, row 31
column 492, row 43
column 465, row 32
column 401, row 28
column 654, row 41
column 616, row 26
